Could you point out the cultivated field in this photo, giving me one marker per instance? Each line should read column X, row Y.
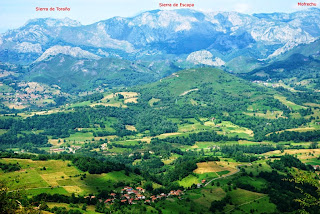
column 290, row 104
column 58, row 177
column 305, row 155
column 267, row 115
column 216, row 167
column 153, row 101
column 215, row 193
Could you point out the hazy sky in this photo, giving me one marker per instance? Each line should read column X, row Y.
column 14, row 13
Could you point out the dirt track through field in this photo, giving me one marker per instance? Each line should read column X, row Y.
column 247, row 203
column 227, row 175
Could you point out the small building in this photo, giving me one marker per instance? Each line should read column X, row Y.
column 140, row 189
column 126, row 196
column 316, row 167
column 140, row 196
column 130, row 201
column 108, row 201
column 147, row 201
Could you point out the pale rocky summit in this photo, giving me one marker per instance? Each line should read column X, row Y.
column 204, row 57
column 27, row 47
column 67, row 50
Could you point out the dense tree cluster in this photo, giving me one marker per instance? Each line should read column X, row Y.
column 218, row 205
column 210, row 136
column 261, row 126
column 288, row 161
column 9, row 167
column 59, row 198
column 11, row 154
column 295, row 136
column 300, row 97
column 12, row 139
column 91, row 97
column 63, row 124
column 183, row 167
column 162, row 148
column 93, row 166
column 153, row 165
column 283, row 193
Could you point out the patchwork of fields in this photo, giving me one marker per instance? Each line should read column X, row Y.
column 57, row 176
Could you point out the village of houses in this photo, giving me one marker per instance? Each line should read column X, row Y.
column 129, row 195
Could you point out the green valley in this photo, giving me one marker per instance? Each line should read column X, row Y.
column 198, row 141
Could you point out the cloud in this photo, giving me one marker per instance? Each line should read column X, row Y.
column 242, row 8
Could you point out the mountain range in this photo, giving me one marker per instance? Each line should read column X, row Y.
column 163, row 35
column 155, row 44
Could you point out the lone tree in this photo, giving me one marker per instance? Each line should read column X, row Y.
column 120, row 96
column 313, row 145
